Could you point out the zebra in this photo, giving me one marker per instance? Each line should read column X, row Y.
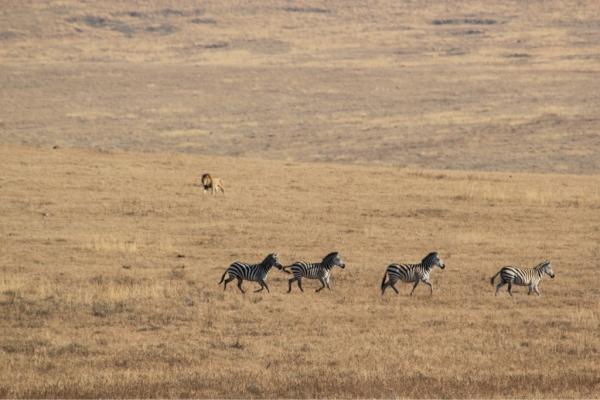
column 523, row 277
column 412, row 273
column 320, row 271
column 251, row 272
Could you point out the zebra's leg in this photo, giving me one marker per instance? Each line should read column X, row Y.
column 536, row 290
column 530, row 290
column 300, row 284
column 510, row 288
column 290, row 281
column 414, row 286
column 261, row 287
column 264, row 283
column 322, row 283
column 394, row 287
column 227, row 281
column 327, row 283
column 498, row 286
column 430, row 287
column 240, row 285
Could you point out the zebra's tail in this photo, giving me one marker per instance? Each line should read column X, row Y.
column 383, row 281
column 223, row 277
column 285, row 270
column 494, row 277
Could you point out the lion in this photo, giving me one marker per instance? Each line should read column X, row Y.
column 213, row 184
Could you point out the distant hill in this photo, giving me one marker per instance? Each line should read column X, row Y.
column 471, row 85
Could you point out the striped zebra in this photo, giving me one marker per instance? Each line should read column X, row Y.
column 320, row 271
column 411, row 273
column 523, row 277
column 251, row 272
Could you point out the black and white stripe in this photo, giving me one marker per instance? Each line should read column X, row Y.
column 523, row 277
column 411, row 273
column 251, row 272
column 320, row 271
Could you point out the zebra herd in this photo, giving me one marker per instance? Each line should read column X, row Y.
column 409, row 273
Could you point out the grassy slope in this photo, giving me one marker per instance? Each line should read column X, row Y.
column 74, row 322
column 461, row 85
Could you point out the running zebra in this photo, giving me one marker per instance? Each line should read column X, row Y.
column 523, row 277
column 320, row 271
column 411, row 273
column 251, row 272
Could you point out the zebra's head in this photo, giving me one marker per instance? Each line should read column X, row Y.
column 433, row 260
column 272, row 260
column 334, row 259
column 546, row 266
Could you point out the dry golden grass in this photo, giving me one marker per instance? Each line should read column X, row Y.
column 110, row 262
column 110, row 257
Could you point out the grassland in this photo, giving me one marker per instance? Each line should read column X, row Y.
column 383, row 130
column 110, row 263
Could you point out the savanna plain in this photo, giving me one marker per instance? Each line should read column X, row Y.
column 382, row 131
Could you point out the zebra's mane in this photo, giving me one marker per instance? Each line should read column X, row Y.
column 427, row 259
column 327, row 261
column 541, row 265
column 270, row 259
